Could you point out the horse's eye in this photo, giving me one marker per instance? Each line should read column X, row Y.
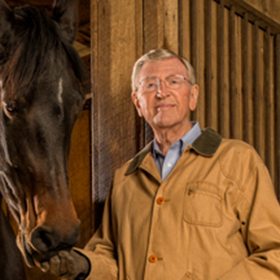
column 11, row 107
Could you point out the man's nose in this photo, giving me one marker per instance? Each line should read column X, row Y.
column 162, row 89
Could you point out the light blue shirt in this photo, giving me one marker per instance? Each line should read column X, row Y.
column 165, row 163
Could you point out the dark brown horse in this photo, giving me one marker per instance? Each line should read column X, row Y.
column 41, row 91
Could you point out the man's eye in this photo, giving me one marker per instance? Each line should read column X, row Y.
column 150, row 85
column 175, row 81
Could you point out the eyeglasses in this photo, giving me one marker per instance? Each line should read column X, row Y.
column 152, row 84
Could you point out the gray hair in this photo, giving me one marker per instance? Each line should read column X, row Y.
column 159, row 55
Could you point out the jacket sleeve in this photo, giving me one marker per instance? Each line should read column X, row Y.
column 100, row 250
column 259, row 214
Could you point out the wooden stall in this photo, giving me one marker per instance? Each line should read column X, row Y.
column 234, row 46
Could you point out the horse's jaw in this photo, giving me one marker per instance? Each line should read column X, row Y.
column 46, row 224
column 31, row 255
column 25, row 249
column 32, row 244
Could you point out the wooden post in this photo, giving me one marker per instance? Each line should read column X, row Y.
column 277, row 115
column 232, row 79
column 208, row 63
column 221, row 70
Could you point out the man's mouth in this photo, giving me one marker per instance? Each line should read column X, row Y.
column 164, row 106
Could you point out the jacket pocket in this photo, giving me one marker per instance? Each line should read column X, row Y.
column 203, row 204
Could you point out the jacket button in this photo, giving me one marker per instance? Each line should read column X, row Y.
column 160, row 200
column 153, row 258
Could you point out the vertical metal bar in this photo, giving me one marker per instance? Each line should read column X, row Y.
column 256, row 87
column 208, row 63
column 221, row 70
column 245, row 78
column 267, row 88
column 232, row 77
column 277, row 115
column 193, row 25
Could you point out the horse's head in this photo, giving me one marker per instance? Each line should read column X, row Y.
column 41, row 78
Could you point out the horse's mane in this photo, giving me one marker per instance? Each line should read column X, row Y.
column 38, row 39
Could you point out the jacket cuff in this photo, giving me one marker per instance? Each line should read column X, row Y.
column 100, row 266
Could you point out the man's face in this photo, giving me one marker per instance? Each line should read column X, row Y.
column 165, row 107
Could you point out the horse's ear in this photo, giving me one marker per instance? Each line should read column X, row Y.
column 5, row 16
column 66, row 14
column 4, row 8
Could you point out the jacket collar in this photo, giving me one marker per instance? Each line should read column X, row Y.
column 206, row 145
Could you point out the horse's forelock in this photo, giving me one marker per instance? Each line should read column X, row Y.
column 31, row 44
column 39, row 40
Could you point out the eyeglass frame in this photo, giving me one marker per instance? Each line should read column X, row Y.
column 159, row 80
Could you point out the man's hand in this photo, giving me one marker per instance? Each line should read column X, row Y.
column 67, row 265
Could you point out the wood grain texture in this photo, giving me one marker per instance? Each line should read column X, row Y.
column 208, row 63
column 221, row 69
column 201, row 70
column 114, row 117
column 277, row 115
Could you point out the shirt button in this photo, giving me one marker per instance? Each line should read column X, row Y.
column 160, row 200
column 153, row 258
column 169, row 164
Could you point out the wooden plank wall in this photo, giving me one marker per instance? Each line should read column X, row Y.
column 236, row 58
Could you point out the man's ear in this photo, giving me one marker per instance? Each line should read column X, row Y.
column 65, row 13
column 136, row 103
column 193, row 97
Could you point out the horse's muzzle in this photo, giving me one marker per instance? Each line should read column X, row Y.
column 46, row 240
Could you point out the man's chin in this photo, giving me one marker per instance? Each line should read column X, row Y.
column 163, row 123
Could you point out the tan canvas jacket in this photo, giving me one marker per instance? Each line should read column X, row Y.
column 214, row 217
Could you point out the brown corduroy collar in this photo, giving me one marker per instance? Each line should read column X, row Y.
column 206, row 145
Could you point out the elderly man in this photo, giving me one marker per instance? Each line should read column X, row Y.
column 190, row 205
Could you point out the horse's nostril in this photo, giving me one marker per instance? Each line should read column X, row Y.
column 43, row 239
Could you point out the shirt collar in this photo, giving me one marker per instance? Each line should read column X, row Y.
column 186, row 140
column 206, row 145
column 191, row 135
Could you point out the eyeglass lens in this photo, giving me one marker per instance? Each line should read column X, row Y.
column 152, row 84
